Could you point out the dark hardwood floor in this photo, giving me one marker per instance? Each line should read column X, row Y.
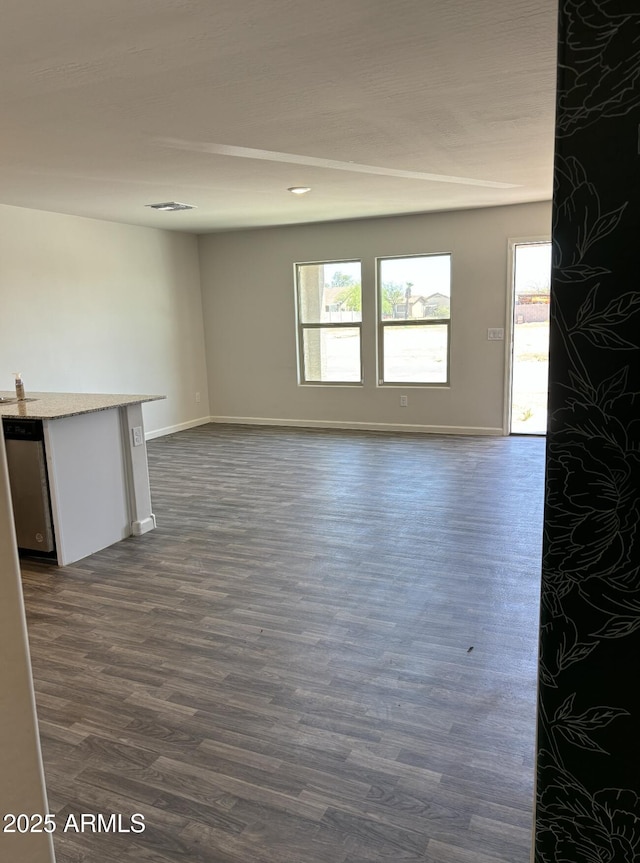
column 326, row 653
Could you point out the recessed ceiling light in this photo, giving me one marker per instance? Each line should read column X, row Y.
column 299, row 190
column 169, row 206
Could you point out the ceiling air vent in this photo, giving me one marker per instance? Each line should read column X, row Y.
column 169, row 206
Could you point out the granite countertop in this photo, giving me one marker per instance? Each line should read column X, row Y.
column 47, row 406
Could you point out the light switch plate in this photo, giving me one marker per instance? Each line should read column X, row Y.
column 495, row 334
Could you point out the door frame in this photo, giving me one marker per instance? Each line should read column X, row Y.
column 512, row 242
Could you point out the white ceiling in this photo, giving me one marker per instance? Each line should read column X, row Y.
column 381, row 106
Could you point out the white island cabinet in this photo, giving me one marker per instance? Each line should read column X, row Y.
column 96, row 466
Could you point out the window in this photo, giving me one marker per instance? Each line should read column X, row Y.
column 414, row 319
column 329, row 305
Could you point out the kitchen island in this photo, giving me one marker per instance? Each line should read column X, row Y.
column 95, row 461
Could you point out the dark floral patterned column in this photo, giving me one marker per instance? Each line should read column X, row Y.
column 588, row 777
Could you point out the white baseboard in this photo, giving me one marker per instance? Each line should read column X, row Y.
column 346, row 424
column 201, row 421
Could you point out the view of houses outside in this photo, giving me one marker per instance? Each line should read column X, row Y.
column 531, row 338
column 414, row 289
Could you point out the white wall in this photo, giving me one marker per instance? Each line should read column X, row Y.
column 91, row 306
column 247, row 280
column 21, row 778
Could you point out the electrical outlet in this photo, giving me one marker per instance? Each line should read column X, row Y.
column 197, row 398
column 136, row 434
column 404, row 401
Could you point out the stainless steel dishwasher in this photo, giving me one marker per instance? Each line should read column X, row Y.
column 24, row 440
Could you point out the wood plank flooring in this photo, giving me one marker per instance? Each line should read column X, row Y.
column 326, row 653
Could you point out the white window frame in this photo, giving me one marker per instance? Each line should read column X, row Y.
column 301, row 326
column 404, row 322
